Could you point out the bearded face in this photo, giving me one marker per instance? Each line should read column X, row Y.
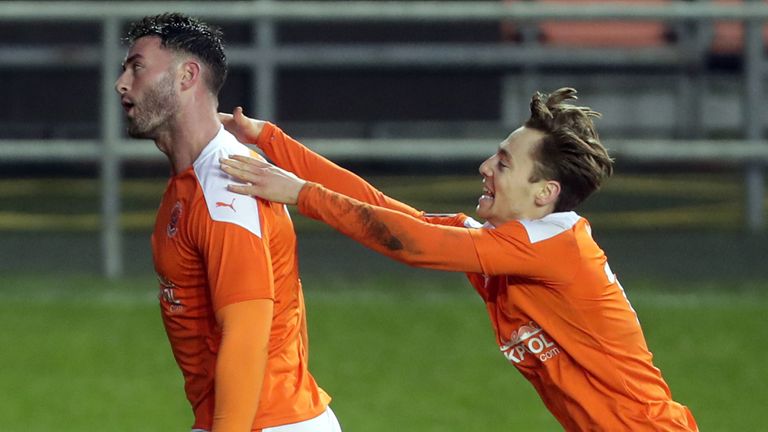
column 153, row 110
column 148, row 88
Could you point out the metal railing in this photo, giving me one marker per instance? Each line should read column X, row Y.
column 265, row 56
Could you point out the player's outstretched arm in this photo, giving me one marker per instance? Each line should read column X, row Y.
column 402, row 237
column 399, row 236
column 293, row 156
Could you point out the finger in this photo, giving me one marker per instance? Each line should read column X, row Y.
column 249, row 161
column 242, row 189
column 244, row 162
column 240, row 118
column 234, row 163
column 227, row 121
column 233, row 167
column 240, row 174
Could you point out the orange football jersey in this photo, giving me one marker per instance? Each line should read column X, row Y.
column 213, row 248
column 558, row 311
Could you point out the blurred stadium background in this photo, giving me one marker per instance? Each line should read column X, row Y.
column 414, row 96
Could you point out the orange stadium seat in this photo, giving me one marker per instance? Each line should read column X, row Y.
column 605, row 33
column 661, row 42
column 728, row 38
column 595, row 33
column 510, row 31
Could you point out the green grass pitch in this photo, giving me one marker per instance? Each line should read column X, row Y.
column 83, row 354
column 399, row 352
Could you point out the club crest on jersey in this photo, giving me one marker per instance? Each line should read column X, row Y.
column 528, row 340
column 173, row 224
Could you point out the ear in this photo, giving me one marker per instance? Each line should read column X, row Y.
column 548, row 193
column 191, row 73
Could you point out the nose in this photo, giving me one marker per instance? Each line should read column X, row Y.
column 121, row 85
column 485, row 167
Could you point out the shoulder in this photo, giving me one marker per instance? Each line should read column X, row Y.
column 223, row 205
column 452, row 219
column 544, row 248
column 538, row 230
column 550, row 226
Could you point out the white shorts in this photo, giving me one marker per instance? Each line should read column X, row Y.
column 325, row 422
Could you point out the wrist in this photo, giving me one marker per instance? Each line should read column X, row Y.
column 263, row 133
column 304, row 192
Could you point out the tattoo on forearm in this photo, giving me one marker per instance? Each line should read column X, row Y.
column 372, row 227
column 377, row 230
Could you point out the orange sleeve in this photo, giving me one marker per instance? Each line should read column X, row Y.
column 291, row 155
column 450, row 219
column 240, row 364
column 502, row 251
column 508, row 250
column 238, row 263
column 239, row 272
column 399, row 236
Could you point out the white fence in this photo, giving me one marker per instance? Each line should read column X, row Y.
column 265, row 56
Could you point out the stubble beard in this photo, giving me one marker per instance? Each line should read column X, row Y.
column 156, row 109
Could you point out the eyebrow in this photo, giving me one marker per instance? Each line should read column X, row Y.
column 505, row 153
column 130, row 59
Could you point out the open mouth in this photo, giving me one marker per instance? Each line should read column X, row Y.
column 487, row 197
column 127, row 105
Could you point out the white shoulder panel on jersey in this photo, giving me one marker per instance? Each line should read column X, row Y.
column 223, row 205
column 468, row 221
column 550, row 225
column 471, row 223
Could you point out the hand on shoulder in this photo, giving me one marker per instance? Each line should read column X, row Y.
column 244, row 128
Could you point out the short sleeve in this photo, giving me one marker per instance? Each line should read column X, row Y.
column 238, row 264
column 230, row 233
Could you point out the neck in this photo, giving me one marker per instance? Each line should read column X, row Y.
column 540, row 212
column 534, row 213
column 184, row 139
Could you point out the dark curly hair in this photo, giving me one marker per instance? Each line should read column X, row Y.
column 570, row 152
column 189, row 35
